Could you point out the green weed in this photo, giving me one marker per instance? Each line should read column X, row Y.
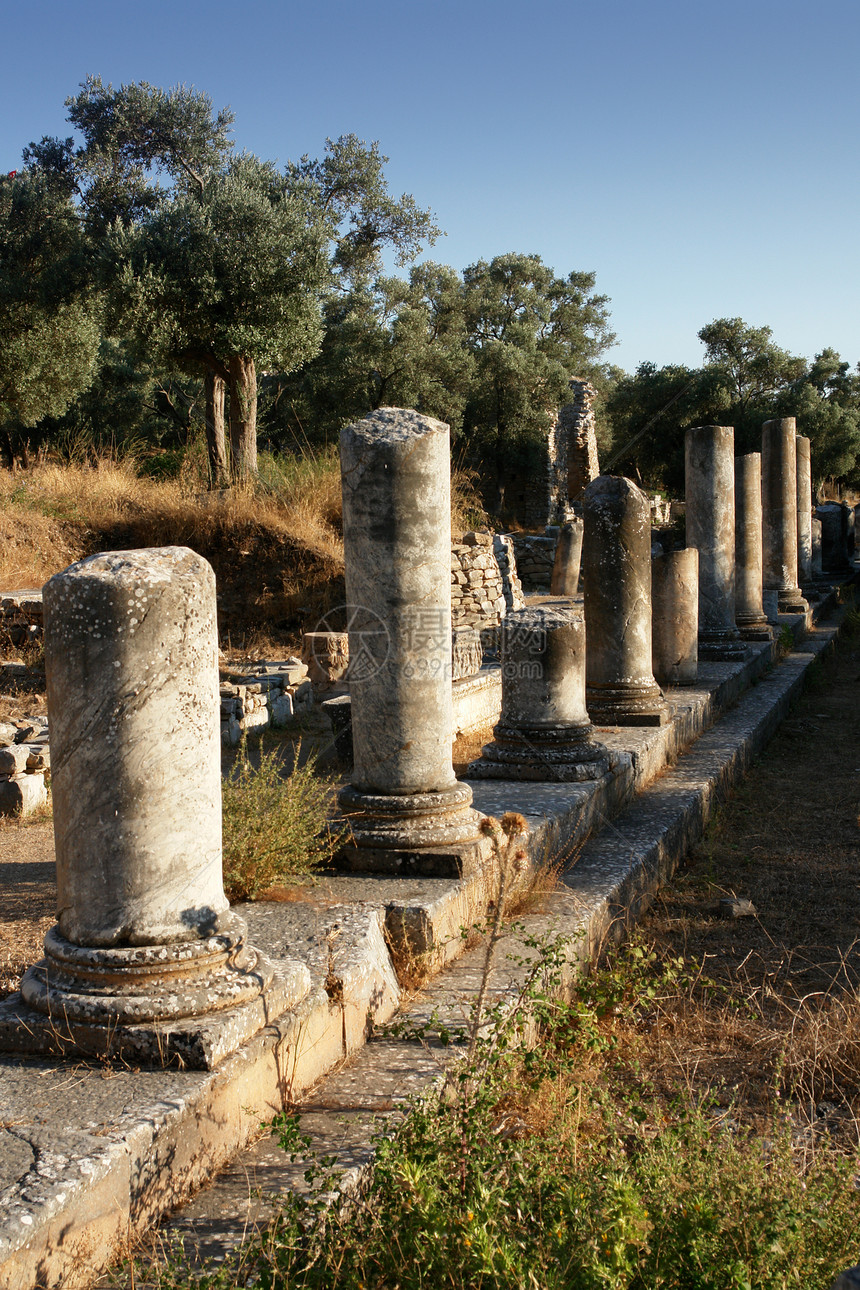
column 276, row 827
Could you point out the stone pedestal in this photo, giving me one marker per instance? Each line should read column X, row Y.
column 568, row 554
column 750, row 614
column 804, row 510
column 616, row 571
column 675, row 616
column 405, row 808
column 779, row 513
column 544, row 732
column 147, row 961
column 710, row 496
column 834, row 551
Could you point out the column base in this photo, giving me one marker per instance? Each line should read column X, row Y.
column 791, row 601
column 755, row 628
column 185, row 1004
column 722, row 647
column 626, row 705
column 426, row 834
column 559, row 754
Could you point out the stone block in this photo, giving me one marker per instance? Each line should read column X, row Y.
column 231, row 732
column 22, row 795
column 13, row 759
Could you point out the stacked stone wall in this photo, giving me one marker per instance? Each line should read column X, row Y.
column 484, row 582
column 267, row 694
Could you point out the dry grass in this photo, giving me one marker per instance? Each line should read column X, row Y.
column 276, row 549
column 767, row 1006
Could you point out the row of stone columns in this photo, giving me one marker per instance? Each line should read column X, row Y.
column 145, row 937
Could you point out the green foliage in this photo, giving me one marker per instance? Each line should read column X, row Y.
column 49, row 319
column 276, row 826
column 517, row 1174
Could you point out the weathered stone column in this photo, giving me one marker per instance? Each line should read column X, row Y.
column 616, row 571
column 146, row 956
column 675, row 616
column 544, row 732
column 407, row 812
column 779, row 513
column 710, row 493
column 568, row 555
column 848, row 526
column 804, row 510
column 750, row 615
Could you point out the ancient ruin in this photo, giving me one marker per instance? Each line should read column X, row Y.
column 616, row 576
column 779, row 513
column 405, row 808
column 709, row 458
column 544, row 732
column 749, row 605
column 675, row 616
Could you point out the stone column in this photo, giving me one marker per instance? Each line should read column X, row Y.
column 804, row 510
column 568, row 554
column 710, row 495
column 616, row 571
column 848, row 527
column 406, row 810
column 146, row 955
column 750, row 615
column 779, row 513
column 544, row 732
column 675, row 616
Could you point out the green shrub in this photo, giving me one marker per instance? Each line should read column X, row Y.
column 276, row 826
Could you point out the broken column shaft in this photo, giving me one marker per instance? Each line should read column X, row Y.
column 804, row 510
column 749, row 605
column 616, row 573
column 779, row 513
column 544, row 731
column 146, row 949
column 675, row 616
column 710, row 492
column 406, row 810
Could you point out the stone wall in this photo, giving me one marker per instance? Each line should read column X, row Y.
column 24, row 758
column 21, row 616
column 535, row 556
column 484, row 582
column 261, row 695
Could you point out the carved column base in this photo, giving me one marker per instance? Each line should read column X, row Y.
column 561, row 754
column 626, row 705
column 185, row 1003
column 430, row 834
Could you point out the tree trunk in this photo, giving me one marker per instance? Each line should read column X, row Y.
column 243, row 416
column 216, row 443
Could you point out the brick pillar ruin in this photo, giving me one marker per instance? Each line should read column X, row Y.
column 406, row 810
column 710, row 489
column 779, row 513
column 616, row 576
column 147, row 961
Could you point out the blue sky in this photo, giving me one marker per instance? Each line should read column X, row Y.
column 701, row 158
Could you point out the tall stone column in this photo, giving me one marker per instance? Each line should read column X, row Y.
column 406, row 810
column 710, row 495
column 779, row 513
column 146, row 957
column 616, row 571
column 544, row 731
column 749, row 605
column 804, row 510
column 675, row 616
column 568, row 556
